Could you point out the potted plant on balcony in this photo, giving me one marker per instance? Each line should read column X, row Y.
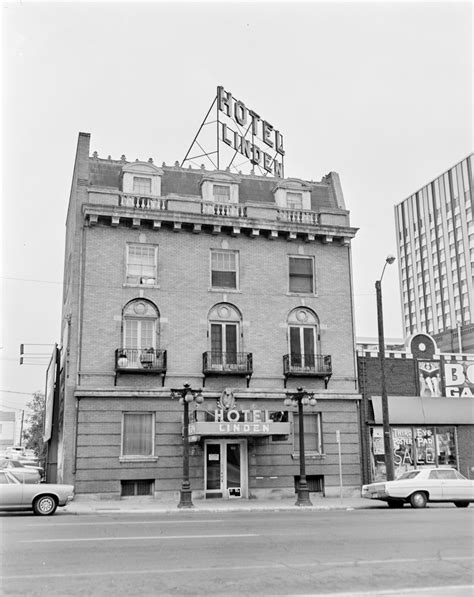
column 147, row 357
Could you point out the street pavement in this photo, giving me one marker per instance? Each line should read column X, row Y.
column 372, row 552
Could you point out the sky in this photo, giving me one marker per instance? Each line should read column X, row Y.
column 379, row 92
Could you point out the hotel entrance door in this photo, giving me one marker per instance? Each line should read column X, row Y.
column 226, row 468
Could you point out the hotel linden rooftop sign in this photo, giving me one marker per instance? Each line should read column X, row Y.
column 241, row 140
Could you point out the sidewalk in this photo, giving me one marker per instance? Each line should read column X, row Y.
column 83, row 505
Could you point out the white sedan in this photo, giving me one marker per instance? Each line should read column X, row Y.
column 42, row 498
column 424, row 485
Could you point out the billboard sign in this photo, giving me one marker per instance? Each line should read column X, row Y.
column 459, row 379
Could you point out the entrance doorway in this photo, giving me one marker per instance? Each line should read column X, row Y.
column 225, row 469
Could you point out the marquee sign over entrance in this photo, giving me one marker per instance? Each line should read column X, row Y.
column 240, row 133
column 240, row 422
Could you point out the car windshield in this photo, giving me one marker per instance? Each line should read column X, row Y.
column 408, row 475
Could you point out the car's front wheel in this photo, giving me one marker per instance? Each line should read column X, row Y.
column 418, row 499
column 461, row 504
column 45, row 505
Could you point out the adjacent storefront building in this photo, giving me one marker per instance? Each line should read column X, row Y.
column 431, row 413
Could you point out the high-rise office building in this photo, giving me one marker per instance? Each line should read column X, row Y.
column 435, row 238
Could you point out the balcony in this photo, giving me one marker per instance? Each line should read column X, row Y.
column 309, row 365
column 227, row 363
column 190, row 212
column 140, row 360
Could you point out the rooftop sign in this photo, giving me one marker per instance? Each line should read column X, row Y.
column 241, row 131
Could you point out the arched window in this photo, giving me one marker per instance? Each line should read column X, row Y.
column 224, row 334
column 140, row 325
column 303, row 337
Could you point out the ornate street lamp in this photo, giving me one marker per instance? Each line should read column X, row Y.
column 300, row 398
column 387, row 438
column 186, row 395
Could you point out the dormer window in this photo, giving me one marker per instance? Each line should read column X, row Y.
column 294, row 200
column 221, row 193
column 293, row 194
column 142, row 178
column 141, row 185
column 220, row 187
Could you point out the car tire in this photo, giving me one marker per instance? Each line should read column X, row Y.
column 418, row 499
column 394, row 504
column 461, row 504
column 45, row 505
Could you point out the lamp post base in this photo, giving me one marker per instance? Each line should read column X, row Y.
column 185, row 500
column 303, row 497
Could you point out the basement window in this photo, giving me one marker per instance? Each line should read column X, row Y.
column 137, row 488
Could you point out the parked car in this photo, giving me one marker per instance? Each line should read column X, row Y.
column 42, row 498
column 28, row 474
column 420, row 486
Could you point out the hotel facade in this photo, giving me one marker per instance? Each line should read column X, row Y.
column 239, row 285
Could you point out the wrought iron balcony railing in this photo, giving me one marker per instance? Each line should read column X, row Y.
column 308, row 365
column 142, row 360
column 227, row 363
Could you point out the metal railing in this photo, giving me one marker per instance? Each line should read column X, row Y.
column 140, row 359
column 236, row 363
column 309, row 364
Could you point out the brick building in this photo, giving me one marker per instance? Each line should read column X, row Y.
column 431, row 417
column 236, row 284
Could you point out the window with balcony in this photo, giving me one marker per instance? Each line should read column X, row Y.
column 139, row 352
column 225, row 343
column 301, row 275
column 141, row 265
column 141, row 185
column 138, row 434
column 224, row 269
column 312, row 434
column 304, row 358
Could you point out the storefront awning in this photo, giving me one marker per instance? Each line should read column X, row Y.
column 417, row 410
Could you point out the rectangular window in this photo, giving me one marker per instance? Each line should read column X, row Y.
column 224, row 269
column 142, row 185
column 312, row 433
column 141, row 487
column 141, row 264
column 294, row 200
column 302, row 275
column 138, row 434
column 221, row 193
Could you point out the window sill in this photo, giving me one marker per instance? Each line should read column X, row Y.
column 225, row 290
column 129, row 285
column 309, row 294
column 309, row 456
column 138, row 459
